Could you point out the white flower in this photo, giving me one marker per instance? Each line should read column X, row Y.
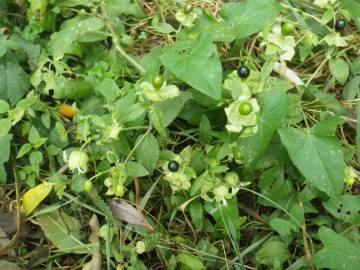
column 78, row 161
column 323, row 3
column 237, row 121
column 163, row 93
column 284, row 45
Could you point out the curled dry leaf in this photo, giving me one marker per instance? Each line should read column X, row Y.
column 287, row 73
column 95, row 263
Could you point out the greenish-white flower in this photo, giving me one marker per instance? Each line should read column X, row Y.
column 112, row 131
column 239, row 87
column 278, row 43
column 78, row 160
column 242, row 114
column 180, row 179
column 323, row 3
column 350, row 176
column 335, row 39
column 115, row 181
column 159, row 94
column 186, row 19
column 140, row 247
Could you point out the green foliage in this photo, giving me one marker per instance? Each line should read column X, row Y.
column 196, row 63
column 318, row 158
column 338, row 251
column 201, row 134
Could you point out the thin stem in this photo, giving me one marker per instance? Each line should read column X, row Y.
column 115, row 38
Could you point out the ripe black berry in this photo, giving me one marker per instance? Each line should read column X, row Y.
column 340, row 25
column 243, row 72
column 173, row 166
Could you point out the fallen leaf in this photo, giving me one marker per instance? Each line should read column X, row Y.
column 5, row 265
column 33, row 197
column 8, row 223
column 125, row 212
column 95, row 263
column 63, row 231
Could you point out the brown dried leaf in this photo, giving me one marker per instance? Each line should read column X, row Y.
column 95, row 263
column 124, row 211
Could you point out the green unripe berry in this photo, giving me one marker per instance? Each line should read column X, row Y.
column 188, row 8
column 158, row 81
column 245, row 108
column 287, row 28
column 309, row 39
column 231, row 178
column 88, row 186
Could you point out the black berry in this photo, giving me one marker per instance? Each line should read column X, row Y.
column 173, row 166
column 243, row 72
column 340, row 25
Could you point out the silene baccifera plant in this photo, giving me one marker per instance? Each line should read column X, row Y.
column 180, row 134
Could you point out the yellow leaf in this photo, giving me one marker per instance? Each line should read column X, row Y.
column 33, row 197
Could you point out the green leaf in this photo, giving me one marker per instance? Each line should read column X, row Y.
column 248, row 17
column 77, row 182
column 318, row 158
column 164, row 28
column 172, row 107
column 272, row 253
column 227, row 216
column 205, row 130
column 156, row 118
column 4, row 155
column 134, row 112
column 339, row 69
column 24, row 149
column 190, row 260
column 353, row 7
column 198, row 65
column 196, row 213
column 338, row 252
column 14, row 82
column 358, row 132
column 33, row 135
column 346, row 208
column 327, row 127
column 127, row 7
column 134, row 169
column 108, row 89
column 274, row 112
column 147, row 154
column 4, row 106
column 63, row 231
column 352, row 88
column 75, row 29
column 282, row 226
